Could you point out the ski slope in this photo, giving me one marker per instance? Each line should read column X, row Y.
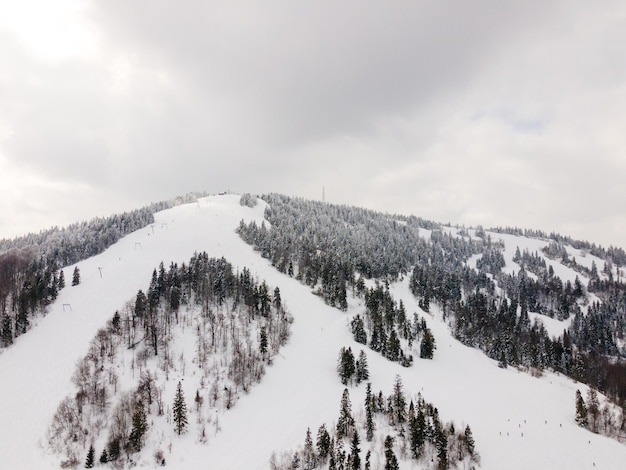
column 518, row 421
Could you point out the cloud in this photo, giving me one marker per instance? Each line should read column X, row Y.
column 315, row 70
column 484, row 112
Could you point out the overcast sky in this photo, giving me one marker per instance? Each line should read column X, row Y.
column 481, row 112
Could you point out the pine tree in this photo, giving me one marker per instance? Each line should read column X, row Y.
column 21, row 320
column 295, row 461
column 308, row 454
column 264, row 299
column 401, row 313
column 398, row 402
column 355, row 459
column 104, row 457
column 391, row 461
column 263, row 341
column 76, row 276
column 412, row 422
column 61, row 282
column 323, row 442
column 578, row 288
column 91, row 455
column 141, row 304
column 115, row 321
column 358, row 330
column 345, row 422
column 368, row 456
column 593, row 408
column 378, row 337
column 594, row 270
column 114, row 449
column 345, row 365
column 332, row 464
column 154, row 290
column 427, row 346
column 362, row 370
column 468, row 439
column 380, row 402
column 140, row 426
column 175, row 298
column 340, row 455
column 6, row 335
column 54, row 287
column 418, row 434
column 441, row 443
column 369, row 421
column 179, row 409
column 392, row 348
column 581, row 410
column 277, row 300
column 342, row 296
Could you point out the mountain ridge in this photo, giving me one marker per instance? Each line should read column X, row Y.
column 209, row 225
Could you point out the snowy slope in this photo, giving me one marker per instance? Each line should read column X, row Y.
column 518, row 421
column 301, row 389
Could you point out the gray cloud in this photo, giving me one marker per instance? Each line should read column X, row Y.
column 318, row 70
column 490, row 112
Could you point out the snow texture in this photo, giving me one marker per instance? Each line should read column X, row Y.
column 518, row 421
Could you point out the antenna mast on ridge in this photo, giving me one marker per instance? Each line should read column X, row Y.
column 323, row 194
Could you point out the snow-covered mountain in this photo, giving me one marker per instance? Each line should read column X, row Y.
column 519, row 420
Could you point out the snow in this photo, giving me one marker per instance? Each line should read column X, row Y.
column 301, row 389
column 553, row 326
column 468, row 387
column 425, row 233
column 471, row 262
column 533, row 245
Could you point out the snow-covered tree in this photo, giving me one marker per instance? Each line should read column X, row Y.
column 91, row 455
column 468, row 439
column 398, row 402
column 179, row 411
column 593, row 409
column 345, row 365
column 362, row 369
column 104, row 456
column 427, row 346
column 76, row 276
column 355, row 458
column 309, row 460
column 345, row 422
column 263, row 341
column 140, row 426
column 581, row 410
column 358, row 330
column 391, row 461
column 369, row 419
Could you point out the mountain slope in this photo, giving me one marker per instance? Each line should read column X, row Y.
column 301, row 389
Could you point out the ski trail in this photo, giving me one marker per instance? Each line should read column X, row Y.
column 301, row 389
